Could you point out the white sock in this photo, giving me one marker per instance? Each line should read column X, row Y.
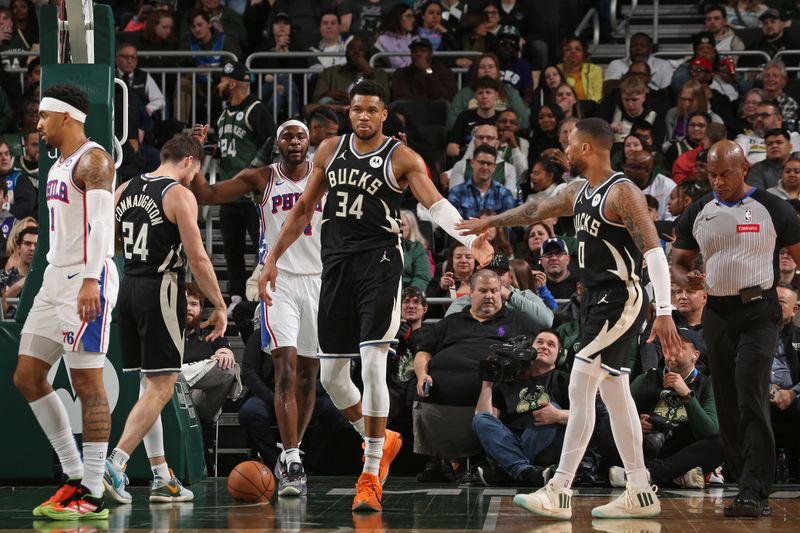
column 583, row 383
column 161, row 470
column 94, row 465
column 372, row 454
column 292, row 455
column 53, row 419
column 119, row 458
column 358, row 425
column 625, row 426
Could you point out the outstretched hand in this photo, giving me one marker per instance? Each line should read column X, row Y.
column 482, row 251
column 200, row 133
column 664, row 329
column 219, row 321
column 473, row 226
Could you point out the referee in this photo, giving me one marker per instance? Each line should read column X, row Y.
column 739, row 230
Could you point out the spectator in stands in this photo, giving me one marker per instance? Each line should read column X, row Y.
column 207, row 365
column 787, row 268
column 26, row 25
column 768, row 117
column 513, row 148
column 410, row 230
column 453, row 12
column 431, row 27
column 330, row 29
column 161, row 33
column 531, row 251
column 526, row 302
column 20, row 192
column 716, row 22
column 720, row 93
column 544, row 131
column 226, row 20
column 785, row 379
column 425, row 78
column 257, row 413
column 692, row 97
column 585, row 77
column 306, row 15
column 486, row 91
column 640, row 167
column 493, row 15
column 507, row 98
column 333, row 82
column 515, row 70
column 567, row 100
column 367, row 15
column 682, row 396
column 14, row 39
column 788, row 187
column 774, row 37
column 555, row 260
column 139, row 21
column 453, row 281
column 632, row 108
column 473, row 35
column 243, row 128
column 9, row 258
column 631, row 143
column 28, row 163
column 525, row 279
column 446, row 366
column 142, row 88
column 556, row 155
column 544, row 180
column 7, row 221
column 504, row 172
column 522, row 423
column 395, row 34
column 416, row 261
column 640, row 49
column 743, row 122
column 767, row 173
column 679, row 199
column 704, row 47
column 696, row 127
column 745, row 13
column 684, row 166
column 498, row 238
column 774, row 78
column 323, row 122
column 481, row 192
column 549, row 80
column 12, row 280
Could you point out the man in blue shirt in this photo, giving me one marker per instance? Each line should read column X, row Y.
column 481, row 192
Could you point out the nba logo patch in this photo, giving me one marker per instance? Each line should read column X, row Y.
column 748, row 215
column 596, row 200
column 376, row 161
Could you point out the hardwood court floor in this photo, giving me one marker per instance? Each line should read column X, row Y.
column 407, row 504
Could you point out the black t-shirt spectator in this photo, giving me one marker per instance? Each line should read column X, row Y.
column 458, row 343
column 562, row 290
column 196, row 348
column 461, row 134
column 516, row 401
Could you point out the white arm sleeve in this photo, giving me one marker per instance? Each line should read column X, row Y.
column 446, row 217
column 100, row 233
column 659, row 275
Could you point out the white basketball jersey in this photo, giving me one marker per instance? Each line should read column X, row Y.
column 303, row 256
column 67, row 211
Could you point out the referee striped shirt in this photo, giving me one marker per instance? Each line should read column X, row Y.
column 739, row 241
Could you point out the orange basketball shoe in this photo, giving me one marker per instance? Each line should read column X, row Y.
column 392, row 442
column 368, row 494
column 65, row 490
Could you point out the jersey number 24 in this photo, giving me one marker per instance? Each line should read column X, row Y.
column 134, row 244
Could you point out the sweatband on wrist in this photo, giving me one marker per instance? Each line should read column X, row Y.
column 100, row 230
column 446, row 217
column 659, row 275
column 55, row 105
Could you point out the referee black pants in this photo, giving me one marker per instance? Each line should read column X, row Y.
column 237, row 220
column 740, row 343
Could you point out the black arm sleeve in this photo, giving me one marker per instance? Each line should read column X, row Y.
column 684, row 238
column 784, row 217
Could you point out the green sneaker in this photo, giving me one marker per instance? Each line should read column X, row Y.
column 66, row 488
column 80, row 506
column 169, row 490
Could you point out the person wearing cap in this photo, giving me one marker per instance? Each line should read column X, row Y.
column 526, row 302
column 719, row 92
column 243, row 128
column 514, row 70
column 425, row 78
column 774, row 39
column 684, row 166
column 585, row 77
column 704, row 46
column 682, row 395
column 640, row 48
column 555, row 260
column 767, row 174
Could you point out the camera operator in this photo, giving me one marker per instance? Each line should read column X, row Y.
column 522, row 423
column 448, row 385
column 679, row 420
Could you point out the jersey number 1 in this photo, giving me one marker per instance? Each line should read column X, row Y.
column 134, row 245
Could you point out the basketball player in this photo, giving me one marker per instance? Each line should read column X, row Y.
column 614, row 231
column 157, row 217
column 71, row 313
column 365, row 174
column 276, row 188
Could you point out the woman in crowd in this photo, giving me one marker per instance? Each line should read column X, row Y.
column 396, row 33
column 788, row 187
column 549, row 80
column 544, row 180
column 487, row 65
column 692, row 97
column 526, row 279
column 431, row 27
column 11, row 247
column 473, row 35
column 567, row 100
column 410, row 232
column 585, row 77
column 454, row 279
column 26, row 25
column 544, row 131
column 746, row 116
column 532, row 248
column 498, row 237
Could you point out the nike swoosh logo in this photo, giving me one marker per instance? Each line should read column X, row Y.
column 712, row 217
column 70, row 276
column 173, row 490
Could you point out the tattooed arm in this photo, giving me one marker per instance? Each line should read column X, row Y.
column 626, row 204
column 534, row 210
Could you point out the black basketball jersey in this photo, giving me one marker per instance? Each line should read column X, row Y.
column 151, row 243
column 607, row 254
column 362, row 210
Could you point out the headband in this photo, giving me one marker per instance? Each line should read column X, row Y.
column 49, row 103
column 292, row 122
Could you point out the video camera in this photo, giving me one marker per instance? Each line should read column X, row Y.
column 508, row 360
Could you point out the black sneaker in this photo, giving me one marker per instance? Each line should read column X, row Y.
column 532, row 476
column 494, row 476
column 746, row 505
column 433, row 473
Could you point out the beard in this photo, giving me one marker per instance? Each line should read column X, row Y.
column 574, row 170
column 226, row 94
column 193, row 323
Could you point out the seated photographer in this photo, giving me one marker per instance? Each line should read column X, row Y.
column 448, row 385
column 785, row 380
column 520, row 419
column 526, row 302
column 679, row 420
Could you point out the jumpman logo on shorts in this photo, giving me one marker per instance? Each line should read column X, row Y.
column 603, row 300
column 384, row 258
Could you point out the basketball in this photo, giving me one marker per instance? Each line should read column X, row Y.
column 251, row 482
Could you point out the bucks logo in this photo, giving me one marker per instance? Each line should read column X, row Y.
column 532, row 400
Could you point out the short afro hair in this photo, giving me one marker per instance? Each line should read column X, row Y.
column 69, row 94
